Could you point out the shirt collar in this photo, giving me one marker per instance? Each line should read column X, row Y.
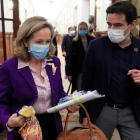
column 22, row 64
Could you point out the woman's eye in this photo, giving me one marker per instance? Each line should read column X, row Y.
column 48, row 42
column 38, row 42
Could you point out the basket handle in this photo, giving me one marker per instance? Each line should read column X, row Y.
column 88, row 118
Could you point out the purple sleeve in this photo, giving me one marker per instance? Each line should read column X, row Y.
column 5, row 90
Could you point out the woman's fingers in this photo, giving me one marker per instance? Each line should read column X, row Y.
column 73, row 108
column 15, row 121
column 21, row 120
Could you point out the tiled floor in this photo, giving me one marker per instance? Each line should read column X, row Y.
column 74, row 121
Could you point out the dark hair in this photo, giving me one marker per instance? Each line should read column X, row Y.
column 91, row 19
column 71, row 27
column 123, row 7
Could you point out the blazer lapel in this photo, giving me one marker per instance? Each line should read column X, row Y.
column 108, row 49
column 26, row 73
column 50, row 76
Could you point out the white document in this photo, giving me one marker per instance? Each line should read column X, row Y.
column 82, row 99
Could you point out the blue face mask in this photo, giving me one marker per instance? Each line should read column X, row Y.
column 82, row 32
column 39, row 51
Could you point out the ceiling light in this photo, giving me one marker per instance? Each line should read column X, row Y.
column 51, row 1
column 10, row 4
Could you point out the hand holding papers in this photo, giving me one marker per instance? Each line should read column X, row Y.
column 77, row 100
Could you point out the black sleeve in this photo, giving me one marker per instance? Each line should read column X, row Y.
column 63, row 43
column 88, row 75
column 72, row 56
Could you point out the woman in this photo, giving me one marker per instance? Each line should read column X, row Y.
column 79, row 46
column 30, row 79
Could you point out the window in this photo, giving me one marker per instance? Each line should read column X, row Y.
column 9, row 24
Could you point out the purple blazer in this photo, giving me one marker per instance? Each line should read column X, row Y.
column 17, row 88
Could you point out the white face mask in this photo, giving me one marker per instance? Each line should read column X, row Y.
column 117, row 35
column 72, row 32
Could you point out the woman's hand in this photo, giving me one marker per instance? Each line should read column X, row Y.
column 64, row 54
column 15, row 121
column 73, row 108
column 85, row 121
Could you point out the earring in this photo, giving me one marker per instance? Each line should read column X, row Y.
column 27, row 48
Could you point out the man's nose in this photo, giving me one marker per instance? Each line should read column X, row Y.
column 112, row 27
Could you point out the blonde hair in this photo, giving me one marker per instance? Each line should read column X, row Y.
column 26, row 32
column 77, row 35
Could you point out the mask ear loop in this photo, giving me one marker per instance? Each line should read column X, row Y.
column 126, row 29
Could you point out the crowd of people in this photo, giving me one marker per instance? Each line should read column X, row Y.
column 108, row 64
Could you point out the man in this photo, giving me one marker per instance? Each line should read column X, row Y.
column 112, row 67
column 66, row 46
column 91, row 24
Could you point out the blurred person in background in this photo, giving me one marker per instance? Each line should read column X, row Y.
column 77, row 54
column 55, row 41
column 91, row 24
column 66, row 46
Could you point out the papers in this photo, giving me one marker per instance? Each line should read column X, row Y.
column 81, row 99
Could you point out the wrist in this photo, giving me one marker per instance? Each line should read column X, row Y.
column 9, row 128
column 8, row 125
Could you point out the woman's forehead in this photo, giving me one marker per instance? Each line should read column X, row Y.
column 83, row 26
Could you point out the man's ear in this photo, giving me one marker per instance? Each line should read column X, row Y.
column 133, row 24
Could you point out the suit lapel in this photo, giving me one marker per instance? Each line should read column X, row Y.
column 108, row 49
column 135, row 55
column 26, row 73
column 50, row 76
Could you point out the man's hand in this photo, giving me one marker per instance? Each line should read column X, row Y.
column 16, row 121
column 64, row 54
column 69, row 78
column 135, row 74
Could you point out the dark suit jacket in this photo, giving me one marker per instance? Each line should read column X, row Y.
column 67, row 43
column 66, row 46
column 17, row 88
column 97, row 71
column 77, row 56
